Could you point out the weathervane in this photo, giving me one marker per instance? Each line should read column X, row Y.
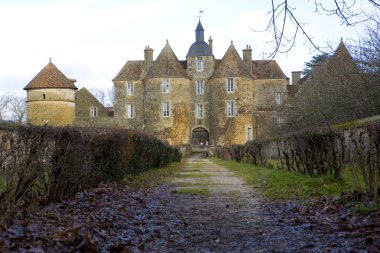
column 199, row 16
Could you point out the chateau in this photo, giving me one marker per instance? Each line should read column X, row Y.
column 194, row 101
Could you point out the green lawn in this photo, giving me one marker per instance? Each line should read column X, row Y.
column 281, row 184
column 154, row 177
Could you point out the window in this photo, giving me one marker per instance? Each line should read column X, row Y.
column 199, row 111
column 199, row 87
column 280, row 120
column 231, row 110
column 93, row 111
column 280, row 97
column 188, row 65
column 165, row 109
column 130, row 111
column 249, row 133
column 230, row 85
column 130, row 88
column 165, row 85
column 199, row 64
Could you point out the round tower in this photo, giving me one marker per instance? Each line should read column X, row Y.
column 51, row 98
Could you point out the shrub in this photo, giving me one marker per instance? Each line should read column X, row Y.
column 47, row 163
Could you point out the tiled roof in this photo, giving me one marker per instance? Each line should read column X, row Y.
column 342, row 55
column 166, row 65
column 267, row 70
column 231, row 65
column 50, row 77
column 132, row 70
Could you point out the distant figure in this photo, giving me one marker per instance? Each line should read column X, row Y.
column 201, row 145
column 206, row 143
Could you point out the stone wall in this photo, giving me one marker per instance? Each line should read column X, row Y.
column 121, row 101
column 175, row 128
column 84, row 101
column 265, row 106
column 54, row 107
column 230, row 130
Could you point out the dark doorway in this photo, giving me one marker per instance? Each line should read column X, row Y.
column 199, row 137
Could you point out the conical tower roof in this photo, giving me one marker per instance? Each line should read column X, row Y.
column 342, row 55
column 166, row 65
column 50, row 77
column 231, row 65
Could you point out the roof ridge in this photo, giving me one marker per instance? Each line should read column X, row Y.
column 166, row 65
column 238, row 69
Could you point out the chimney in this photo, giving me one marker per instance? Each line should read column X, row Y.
column 247, row 58
column 148, row 58
column 296, row 76
column 210, row 43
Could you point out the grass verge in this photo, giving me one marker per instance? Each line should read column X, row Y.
column 154, row 177
column 280, row 184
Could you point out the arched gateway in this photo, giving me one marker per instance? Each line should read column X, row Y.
column 199, row 136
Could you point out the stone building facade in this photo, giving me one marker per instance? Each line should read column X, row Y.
column 200, row 99
column 194, row 101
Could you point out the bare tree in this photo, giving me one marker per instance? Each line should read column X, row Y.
column 17, row 108
column 99, row 94
column 110, row 96
column 336, row 91
column 106, row 96
column 286, row 26
column 4, row 101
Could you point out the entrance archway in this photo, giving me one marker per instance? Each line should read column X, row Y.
column 199, row 136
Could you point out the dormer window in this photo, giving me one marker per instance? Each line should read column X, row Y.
column 199, row 64
column 165, row 86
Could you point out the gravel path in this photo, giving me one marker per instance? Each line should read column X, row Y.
column 206, row 208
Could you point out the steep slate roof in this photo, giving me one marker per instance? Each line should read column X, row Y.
column 166, row 65
column 50, row 77
column 231, row 65
column 132, row 70
column 267, row 70
column 199, row 47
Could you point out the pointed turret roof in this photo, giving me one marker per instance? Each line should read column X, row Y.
column 341, row 55
column 199, row 47
column 231, row 65
column 166, row 65
column 50, row 77
column 199, row 32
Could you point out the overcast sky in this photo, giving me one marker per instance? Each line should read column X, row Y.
column 90, row 40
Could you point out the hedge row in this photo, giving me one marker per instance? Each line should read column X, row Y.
column 254, row 152
column 319, row 153
column 46, row 163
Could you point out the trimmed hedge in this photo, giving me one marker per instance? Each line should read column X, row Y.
column 321, row 152
column 47, row 163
